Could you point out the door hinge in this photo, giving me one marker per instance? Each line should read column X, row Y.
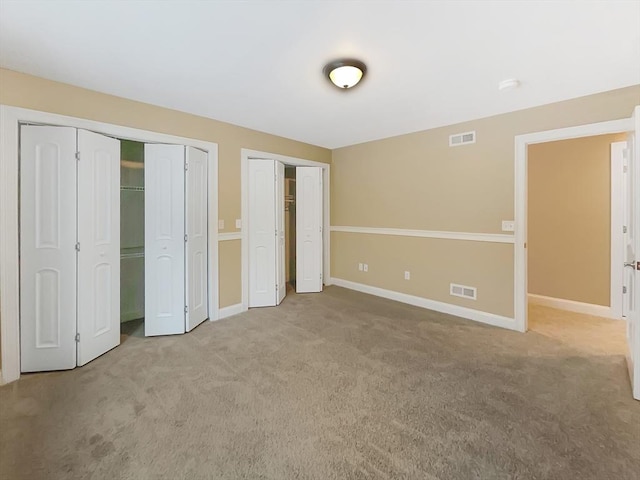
column 186, row 309
column 77, row 155
column 624, row 290
column 77, row 338
column 77, row 246
column 186, row 237
column 624, row 229
column 276, row 233
column 186, row 165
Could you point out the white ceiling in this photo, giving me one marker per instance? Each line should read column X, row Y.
column 259, row 63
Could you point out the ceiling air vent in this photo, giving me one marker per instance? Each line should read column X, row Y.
column 463, row 291
column 462, row 139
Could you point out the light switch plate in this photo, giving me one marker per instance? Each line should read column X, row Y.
column 238, row 223
column 220, row 224
column 508, row 225
column 366, row 267
column 360, row 267
column 407, row 275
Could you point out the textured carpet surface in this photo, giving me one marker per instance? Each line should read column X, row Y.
column 338, row 385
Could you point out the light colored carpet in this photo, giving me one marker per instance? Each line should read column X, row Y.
column 338, row 385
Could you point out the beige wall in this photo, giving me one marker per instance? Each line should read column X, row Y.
column 412, row 181
column 417, row 181
column 35, row 93
column 569, row 219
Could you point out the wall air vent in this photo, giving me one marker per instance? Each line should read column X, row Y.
column 463, row 291
column 462, row 139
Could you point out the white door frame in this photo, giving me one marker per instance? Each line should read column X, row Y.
column 245, row 155
column 10, row 120
column 522, row 143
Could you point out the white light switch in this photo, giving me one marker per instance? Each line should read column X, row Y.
column 360, row 267
column 407, row 275
column 238, row 223
column 220, row 224
column 508, row 225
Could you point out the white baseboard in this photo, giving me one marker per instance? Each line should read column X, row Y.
column 230, row 311
column 468, row 313
column 573, row 306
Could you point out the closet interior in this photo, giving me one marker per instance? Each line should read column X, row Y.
column 132, row 237
column 290, row 226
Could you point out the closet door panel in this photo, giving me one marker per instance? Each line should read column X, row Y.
column 262, row 233
column 99, row 237
column 197, row 244
column 280, row 249
column 308, row 229
column 164, row 179
column 47, row 248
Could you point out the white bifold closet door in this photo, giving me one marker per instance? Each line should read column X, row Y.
column 176, row 239
column 164, row 239
column 263, row 233
column 196, row 245
column 69, row 247
column 99, row 245
column 281, row 284
column 308, row 229
column 47, row 248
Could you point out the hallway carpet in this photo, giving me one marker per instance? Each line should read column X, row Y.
column 338, row 385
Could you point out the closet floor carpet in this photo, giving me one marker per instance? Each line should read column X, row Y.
column 338, row 385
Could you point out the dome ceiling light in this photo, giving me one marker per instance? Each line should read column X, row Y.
column 345, row 73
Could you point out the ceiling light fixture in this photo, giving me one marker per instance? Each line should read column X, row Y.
column 345, row 73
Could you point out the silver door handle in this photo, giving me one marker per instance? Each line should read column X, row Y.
column 630, row 264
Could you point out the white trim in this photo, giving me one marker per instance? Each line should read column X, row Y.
column 520, row 201
column 223, row 237
column 230, row 311
column 401, row 232
column 468, row 313
column 10, row 119
column 245, row 154
column 617, row 221
column 573, row 306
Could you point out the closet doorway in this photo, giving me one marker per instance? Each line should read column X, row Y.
column 285, row 210
column 163, row 216
column 92, row 209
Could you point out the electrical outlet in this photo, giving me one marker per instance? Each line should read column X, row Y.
column 360, row 267
column 220, row 224
column 508, row 226
column 366, row 267
column 407, row 275
column 238, row 223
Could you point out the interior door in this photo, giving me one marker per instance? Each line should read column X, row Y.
column 47, row 248
column 631, row 306
column 281, row 251
column 99, row 245
column 164, row 239
column 196, row 245
column 308, row 229
column 262, row 233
